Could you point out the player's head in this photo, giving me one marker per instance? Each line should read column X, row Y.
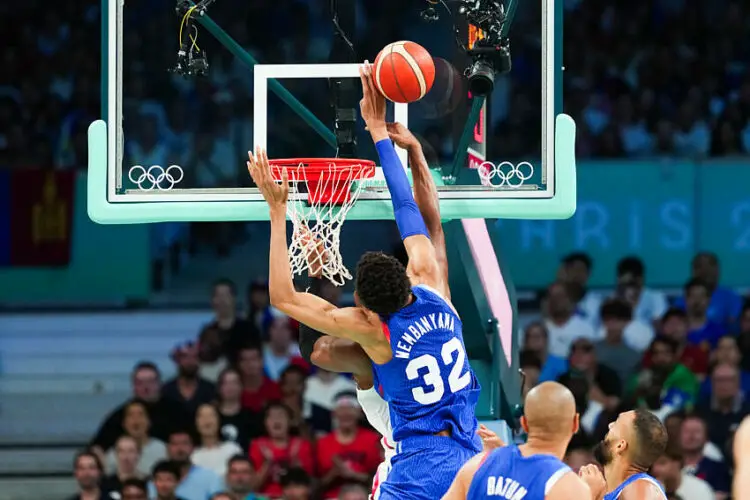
column 549, row 414
column 382, row 285
column 636, row 438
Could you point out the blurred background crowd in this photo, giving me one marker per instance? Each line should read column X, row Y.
column 244, row 417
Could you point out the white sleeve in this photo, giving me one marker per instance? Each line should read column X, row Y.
column 376, row 410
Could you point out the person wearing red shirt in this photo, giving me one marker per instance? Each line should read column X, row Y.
column 257, row 389
column 274, row 454
column 349, row 454
column 674, row 324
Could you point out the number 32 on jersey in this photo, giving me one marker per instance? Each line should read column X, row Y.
column 426, row 366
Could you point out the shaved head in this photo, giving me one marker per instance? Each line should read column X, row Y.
column 550, row 409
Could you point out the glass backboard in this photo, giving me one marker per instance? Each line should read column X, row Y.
column 173, row 148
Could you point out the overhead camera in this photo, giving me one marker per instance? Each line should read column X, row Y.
column 490, row 54
column 191, row 59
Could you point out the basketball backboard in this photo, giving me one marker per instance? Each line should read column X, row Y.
column 173, row 149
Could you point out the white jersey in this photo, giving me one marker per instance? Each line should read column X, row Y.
column 378, row 414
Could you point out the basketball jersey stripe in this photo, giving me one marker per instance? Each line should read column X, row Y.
column 554, row 479
column 378, row 67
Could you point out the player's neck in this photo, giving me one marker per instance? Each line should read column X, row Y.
column 544, row 445
column 617, row 472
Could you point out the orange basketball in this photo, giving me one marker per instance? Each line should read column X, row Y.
column 404, row 72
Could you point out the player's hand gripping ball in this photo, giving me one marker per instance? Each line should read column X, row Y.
column 403, row 72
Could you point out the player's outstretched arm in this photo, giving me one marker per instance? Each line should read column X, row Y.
column 423, row 266
column 460, row 487
column 425, row 192
column 319, row 314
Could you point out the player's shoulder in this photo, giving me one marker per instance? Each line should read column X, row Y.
column 644, row 488
column 568, row 486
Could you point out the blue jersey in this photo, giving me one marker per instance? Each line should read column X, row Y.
column 615, row 494
column 429, row 384
column 506, row 473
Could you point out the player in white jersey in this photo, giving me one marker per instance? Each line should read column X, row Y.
column 376, row 410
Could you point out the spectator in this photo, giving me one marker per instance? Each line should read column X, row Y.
column 240, row 479
column 648, row 305
column 211, row 452
column 166, row 476
column 727, row 407
column 164, row 414
column 280, row 351
column 352, row 491
column 673, row 424
column 257, row 389
column 668, row 470
column 296, row 485
column 576, row 458
column 292, row 385
column 667, row 385
column 272, row 456
column 727, row 352
column 536, row 340
column 221, row 339
column 744, row 337
column 349, row 453
column 701, row 331
column 612, row 352
column 87, row 470
column 134, row 489
column 320, row 391
column 127, row 458
column 562, row 324
column 693, row 441
column 258, row 312
column 136, row 425
column 188, row 388
column 725, row 305
column 674, row 325
column 238, row 425
column 195, row 482
column 575, row 269
column 603, row 384
column 531, row 368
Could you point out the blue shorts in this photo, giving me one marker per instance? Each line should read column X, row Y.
column 424, row 468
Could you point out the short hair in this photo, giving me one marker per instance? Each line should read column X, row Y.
column 167, row 467
column 674, row 312
column 616, row 309
column 291, row 370
column 237, row 459
column 695, row 416
column 295, row 476
column 179, row 431
column 381, row 283
column 277, row 405
column 90, row 454
column 227, row 283
column 651, row 438
column 631, row 265
column 581, row 257
column 694, row 283
column 673, row 345
column 529, row 359
column 145, row 365
column 135, row 483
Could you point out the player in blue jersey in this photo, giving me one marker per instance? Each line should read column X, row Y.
column 531, row 471
column 405, row 323
column 633, row 443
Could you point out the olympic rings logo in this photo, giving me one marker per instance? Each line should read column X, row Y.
column 505, row 174
column 155, row 176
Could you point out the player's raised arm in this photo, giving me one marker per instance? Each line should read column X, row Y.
column 423, row 265
column 425, row 193
column 460, row 487
column 352, row 322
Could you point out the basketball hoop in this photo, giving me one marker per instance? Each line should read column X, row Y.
column 317, row 221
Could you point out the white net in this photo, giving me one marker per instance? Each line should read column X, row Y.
column 317, row 221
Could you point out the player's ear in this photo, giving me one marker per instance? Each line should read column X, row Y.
column 576, row 423
column 524, row 424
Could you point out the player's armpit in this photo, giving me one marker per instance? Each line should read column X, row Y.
column 424, row 268
column 569, row 487
column 460, row 487
column 342, row 356
column 347, row 323
column 641, row 490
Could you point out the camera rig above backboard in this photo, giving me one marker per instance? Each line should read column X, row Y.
column 191, row 59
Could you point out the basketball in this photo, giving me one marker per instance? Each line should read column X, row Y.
column 404, row 72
